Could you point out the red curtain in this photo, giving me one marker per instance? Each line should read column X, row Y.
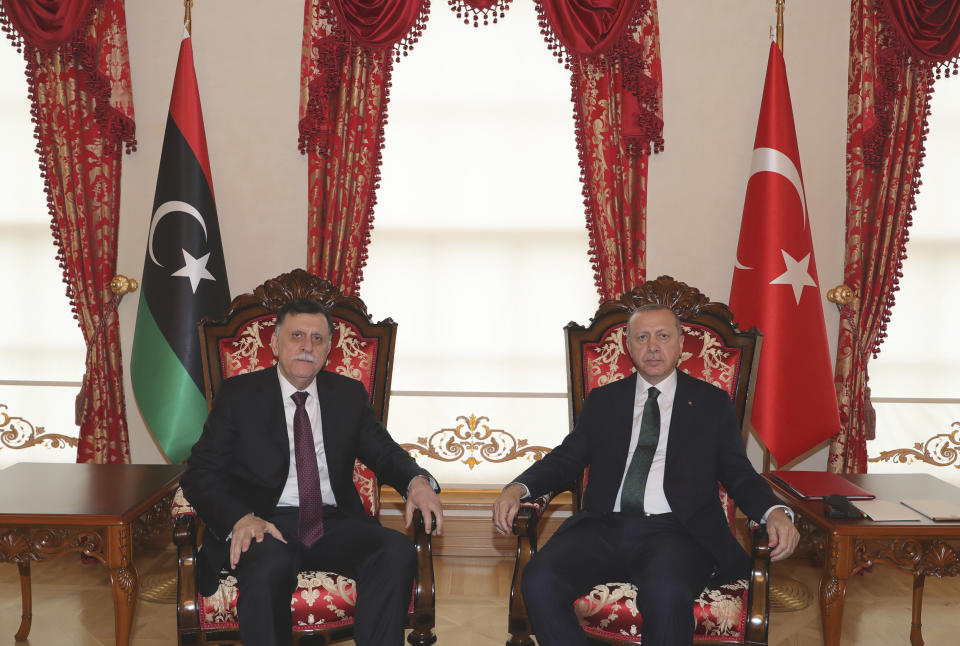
column 614, row 55
column 348, row 51
column 889, row 90
column 79, row 84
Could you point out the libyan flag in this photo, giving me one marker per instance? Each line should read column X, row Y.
column 184, row 277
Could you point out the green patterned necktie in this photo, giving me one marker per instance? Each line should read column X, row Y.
column 631, row 500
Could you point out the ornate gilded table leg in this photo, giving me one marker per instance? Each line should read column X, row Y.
column 26, row 617
column 838, row 564
column 124, row 578
column 916, row 638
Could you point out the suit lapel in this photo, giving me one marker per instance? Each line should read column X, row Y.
column 622, row 424
column 681, row 421
column 330, row 421
column 271, row 399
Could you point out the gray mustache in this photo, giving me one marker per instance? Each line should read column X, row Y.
column 305, row 356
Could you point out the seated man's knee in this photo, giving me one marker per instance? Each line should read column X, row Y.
column 539, row 579
column 665, row 595
column 266, row 564
column 391, row 556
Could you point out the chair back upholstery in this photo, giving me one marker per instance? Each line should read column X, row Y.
column 361, row 349
column 714, row 349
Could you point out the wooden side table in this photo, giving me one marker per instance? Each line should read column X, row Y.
column 919, row 548
column 50, row 509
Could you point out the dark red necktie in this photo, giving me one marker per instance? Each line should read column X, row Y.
column 310, row 525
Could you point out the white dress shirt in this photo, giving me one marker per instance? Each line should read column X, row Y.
column 290, row 496
column 654, row 499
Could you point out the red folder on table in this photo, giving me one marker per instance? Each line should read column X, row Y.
column 817, row 485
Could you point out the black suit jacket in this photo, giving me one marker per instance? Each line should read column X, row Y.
column 241, row 461
column 704, row 447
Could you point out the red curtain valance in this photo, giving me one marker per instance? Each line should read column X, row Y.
column 101, row 62
column 928, row 29
column 589, row 27
column 381, row 24
column 47, row 24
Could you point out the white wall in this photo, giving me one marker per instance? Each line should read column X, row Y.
column 714, row 55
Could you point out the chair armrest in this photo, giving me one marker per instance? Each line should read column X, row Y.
column 188, row 612
column 758, row 593
column 530, row 513
column 424, row 596
column 526, row 528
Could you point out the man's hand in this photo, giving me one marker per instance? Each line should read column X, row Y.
column 783, row 535
column 247, row 529
column 505, row 507
column 422, row 496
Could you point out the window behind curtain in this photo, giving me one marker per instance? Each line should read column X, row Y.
column 915, row 381
column 479, row 249
column 41, row 347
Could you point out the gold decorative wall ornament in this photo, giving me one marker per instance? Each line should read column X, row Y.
column 840, row 295
column 18, row 433
column 941, row 450
column 478, row 442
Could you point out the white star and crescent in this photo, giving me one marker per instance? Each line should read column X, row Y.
column 194, row 269
column 797, row 274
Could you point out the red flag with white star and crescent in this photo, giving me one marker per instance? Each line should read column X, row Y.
column 775, row 286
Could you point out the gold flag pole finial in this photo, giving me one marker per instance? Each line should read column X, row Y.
column 187, row 20
column 780, row 4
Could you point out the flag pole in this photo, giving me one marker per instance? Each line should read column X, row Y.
column 188, row 22
column 780, row 5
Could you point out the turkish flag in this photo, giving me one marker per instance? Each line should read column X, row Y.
column 775, row 286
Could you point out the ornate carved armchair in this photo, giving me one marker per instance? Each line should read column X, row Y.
column 323, row 603
column 713, row 350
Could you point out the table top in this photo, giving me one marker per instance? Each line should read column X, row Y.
column 63, row 494
column 885, row 486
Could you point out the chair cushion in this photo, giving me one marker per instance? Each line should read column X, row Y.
column 610, row 610
column 321, row 600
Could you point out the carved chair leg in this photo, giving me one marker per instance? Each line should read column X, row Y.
column 26, row 616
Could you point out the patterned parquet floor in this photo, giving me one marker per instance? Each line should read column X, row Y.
column 72, row 605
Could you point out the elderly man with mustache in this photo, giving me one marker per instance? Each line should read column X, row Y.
column 272, row 477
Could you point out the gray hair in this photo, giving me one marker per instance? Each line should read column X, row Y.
column 653, row 307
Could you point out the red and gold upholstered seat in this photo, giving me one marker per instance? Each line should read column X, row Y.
column 323, row 602
column 713, row 350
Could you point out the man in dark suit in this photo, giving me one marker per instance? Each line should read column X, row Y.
column 656, row 443
column 279, row 441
